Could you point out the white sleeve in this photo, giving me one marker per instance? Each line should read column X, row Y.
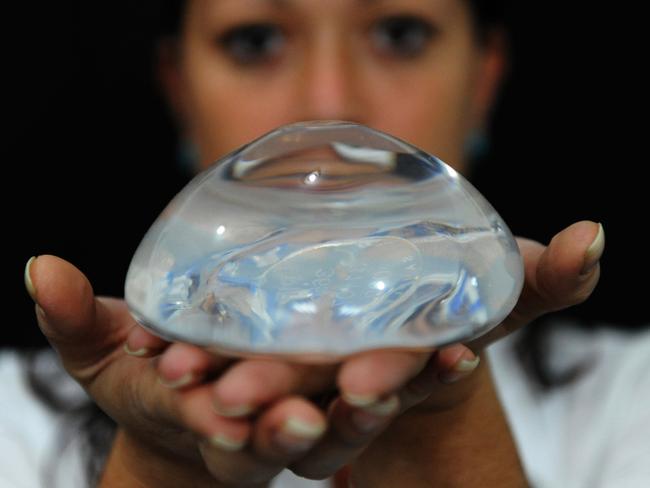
column 25, row 428
column 16, row 463
column 593, row 432
column 28, row 434
column 625, row 458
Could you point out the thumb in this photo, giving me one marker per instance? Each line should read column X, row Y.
column 85, row 330
column 557, row 276
column 565, row 272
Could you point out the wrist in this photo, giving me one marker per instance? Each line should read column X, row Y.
column 461, row 439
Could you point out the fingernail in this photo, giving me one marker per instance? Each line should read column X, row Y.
column 359, row 400
column 135, row 352
column 296, row 435
column 461, row 369
column 41, row 312
column 28, row 279
column 370, row 418
column 594, row 251
column 222, row 441
column 384, row 407
column 177, row 383
column 301, row 428
column 232, row 411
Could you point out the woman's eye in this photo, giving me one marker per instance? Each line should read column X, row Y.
column 404, row 36
column 252, row 43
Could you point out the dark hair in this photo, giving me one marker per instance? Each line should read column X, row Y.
column 82, row 421
column 169, row 17
column 487, row 15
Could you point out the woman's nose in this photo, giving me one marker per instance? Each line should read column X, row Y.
column 329, row 83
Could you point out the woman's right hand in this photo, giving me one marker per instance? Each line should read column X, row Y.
column 166, row 436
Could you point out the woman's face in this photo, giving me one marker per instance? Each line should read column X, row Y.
column 412, row 68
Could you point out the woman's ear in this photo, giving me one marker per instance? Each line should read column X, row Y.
column 491, row 71
column 169, row 77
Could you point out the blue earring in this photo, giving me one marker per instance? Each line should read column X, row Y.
column 477, row 145
column 188, row 156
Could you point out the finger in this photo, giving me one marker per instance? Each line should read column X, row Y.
column 194, row 412
column 88, row 334
column 251, row 384
column 367, row 377
column 128, row 389
column 432, row 387
column 184, row 365
column 142, row 343
column 353, row 427
column 282, row 433
column 237, row 468
column 351, row 430
column 557, row 276
column 82, row 328
column 367, row 382
column 287, row 430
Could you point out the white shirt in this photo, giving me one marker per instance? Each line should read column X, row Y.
column 592, row 433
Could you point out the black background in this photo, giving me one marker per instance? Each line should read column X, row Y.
column 90, row 152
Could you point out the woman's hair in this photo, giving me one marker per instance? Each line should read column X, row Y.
column 83, row 424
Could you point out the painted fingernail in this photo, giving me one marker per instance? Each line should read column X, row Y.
column 461, row 369
column 28, row 278
column 135, row 352
column 186, row 379
column 370, row 418
column 222, row 441
column 298, row 435
column 359, row 400
column 232, row 410
column 594, row 251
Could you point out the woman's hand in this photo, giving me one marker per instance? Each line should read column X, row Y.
column 458, row 436
column 157, row 443
column 290, row 430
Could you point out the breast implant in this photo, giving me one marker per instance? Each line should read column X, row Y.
column 320, row 240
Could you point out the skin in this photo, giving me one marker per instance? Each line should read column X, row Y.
column 187, row 417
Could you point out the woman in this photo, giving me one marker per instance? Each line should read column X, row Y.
column 423, row 70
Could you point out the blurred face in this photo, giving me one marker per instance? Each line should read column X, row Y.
column 412, row 68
